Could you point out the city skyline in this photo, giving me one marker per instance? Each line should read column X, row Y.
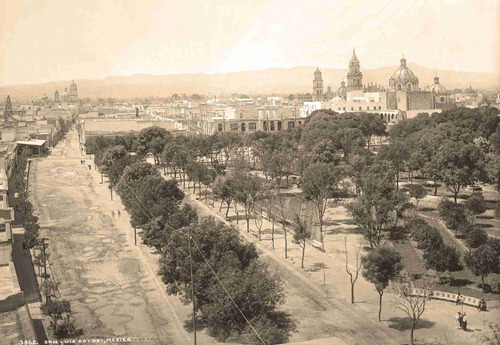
column 124, row 38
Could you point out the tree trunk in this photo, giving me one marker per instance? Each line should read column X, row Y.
column 227, row 211
column 352, row 292
column 380, row 306
column 286, row 244
column 435, row 188
column 303, row 253
column 221, row 202
column 248, row 223
column 411, row 333
column 397, row 180
column 272, row 233
column 321, row 234
column 455, row 195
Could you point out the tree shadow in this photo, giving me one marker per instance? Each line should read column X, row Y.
column 317, row 266
column 487, row 225
column 200, row 325
column 404, row 323
column 485, row 217
column 427, row 209
column 460, row 282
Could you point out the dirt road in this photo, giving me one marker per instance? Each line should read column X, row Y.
column 112, row 289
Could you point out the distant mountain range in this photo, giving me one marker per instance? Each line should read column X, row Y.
column 268, row 81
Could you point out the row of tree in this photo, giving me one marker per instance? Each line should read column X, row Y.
column 203, row 261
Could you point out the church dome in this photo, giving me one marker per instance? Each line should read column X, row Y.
column 437, row 87
column 403, row 78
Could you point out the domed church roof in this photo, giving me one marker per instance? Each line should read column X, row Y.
column 437, row 87
column 403, row 73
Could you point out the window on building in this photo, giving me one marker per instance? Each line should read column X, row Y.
column 243, row 127
column 272, row 126
column 379, row 107
column 234, row 127
column 392, row 116
column 219, row 127
column 300, row 122
column 352, row 108
column 279, row 126
column 291, row 124
column 344, row 108
column 359, row 108
column 252, row 126
column 265, row 126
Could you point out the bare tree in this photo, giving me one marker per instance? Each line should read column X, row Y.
column 353, row 273
column 413, row 294
column 259, row 221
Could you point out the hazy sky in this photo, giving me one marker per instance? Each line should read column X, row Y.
column 47, row 40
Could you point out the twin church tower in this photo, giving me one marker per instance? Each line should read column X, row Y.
column 354, row 80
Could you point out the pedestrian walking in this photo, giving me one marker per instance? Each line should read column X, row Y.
column 459, row 296
column 24, row 245
column 90, row 166
column 119, row 214
column 113, row 214
column 459, row 320
column 464, row 322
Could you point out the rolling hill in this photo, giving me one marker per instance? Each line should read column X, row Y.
column 268, row 81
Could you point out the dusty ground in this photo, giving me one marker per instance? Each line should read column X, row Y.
column 10, row 333
column 111, row 283
column 324, row 310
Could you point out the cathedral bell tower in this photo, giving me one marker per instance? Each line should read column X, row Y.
column 354, row 76
column 318, row 86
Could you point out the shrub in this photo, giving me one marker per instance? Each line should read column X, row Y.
column 495, row 285
column 445, row 258
column 445, row 278
column 476, row 204
column 452, row 214
column 428, row 238
column 475, row 236
column 497, row 210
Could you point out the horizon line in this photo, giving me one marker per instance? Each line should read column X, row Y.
column 230, row 72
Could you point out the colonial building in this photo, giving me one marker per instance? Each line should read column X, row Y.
column 317, row 86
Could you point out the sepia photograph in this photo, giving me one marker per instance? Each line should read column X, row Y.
column 321, row 172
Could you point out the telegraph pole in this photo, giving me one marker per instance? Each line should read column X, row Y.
column 192, row 285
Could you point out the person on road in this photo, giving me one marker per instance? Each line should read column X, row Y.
column 464, row 322
column 24, row 245
column 459, row 297
column 119, row 214
column 459, row 320
column 113, row 214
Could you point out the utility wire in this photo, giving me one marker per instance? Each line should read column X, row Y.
column 197, row 247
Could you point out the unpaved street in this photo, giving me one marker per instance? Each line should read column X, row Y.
column 112, row 290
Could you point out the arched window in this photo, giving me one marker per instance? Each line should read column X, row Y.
column 399, row 87
column 408, row 87
column 441, row 99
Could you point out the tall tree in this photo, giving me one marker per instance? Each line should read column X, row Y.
column 321, row 182
column 459, row 165
column 300, row 236
column 482, row 261
column 379, row 267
